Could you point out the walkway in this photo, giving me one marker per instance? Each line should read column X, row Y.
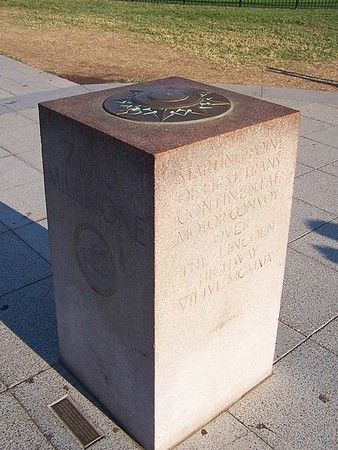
column 295, row 409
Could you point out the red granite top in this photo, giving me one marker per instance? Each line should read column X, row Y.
column 158, row 138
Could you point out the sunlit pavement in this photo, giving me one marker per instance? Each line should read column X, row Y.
column 296, row 408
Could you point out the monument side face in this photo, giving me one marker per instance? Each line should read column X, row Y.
column 222, row 211
column 99, row 196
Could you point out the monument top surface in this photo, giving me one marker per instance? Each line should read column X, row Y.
column 162, row 113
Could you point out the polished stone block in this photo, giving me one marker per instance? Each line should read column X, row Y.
column 168, row 246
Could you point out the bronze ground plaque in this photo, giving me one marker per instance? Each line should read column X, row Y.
column 78, row 425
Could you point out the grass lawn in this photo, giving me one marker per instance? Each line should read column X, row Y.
column 255, row 3
column 240, row 37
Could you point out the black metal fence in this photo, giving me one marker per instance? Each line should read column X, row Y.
column 291, row 4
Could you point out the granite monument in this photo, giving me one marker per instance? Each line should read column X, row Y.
column 168, row 209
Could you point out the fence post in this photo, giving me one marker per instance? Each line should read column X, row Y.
column 296, row 4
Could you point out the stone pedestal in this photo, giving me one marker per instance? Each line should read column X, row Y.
column 168, row 246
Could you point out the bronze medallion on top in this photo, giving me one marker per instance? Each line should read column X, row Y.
column 167, row 105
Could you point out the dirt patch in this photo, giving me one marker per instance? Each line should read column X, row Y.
column 94, row 56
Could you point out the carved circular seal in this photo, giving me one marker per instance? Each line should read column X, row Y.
column 95, row 259
column 168, row 104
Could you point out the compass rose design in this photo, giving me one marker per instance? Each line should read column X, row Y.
column 168, row 105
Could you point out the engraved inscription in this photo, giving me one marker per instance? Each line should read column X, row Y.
column 228, row 198
column 228, row 204
column 90, row 185
column 210, row 167
column 214, row 279
column 95, row 259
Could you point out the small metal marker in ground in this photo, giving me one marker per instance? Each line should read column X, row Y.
column 76, row 423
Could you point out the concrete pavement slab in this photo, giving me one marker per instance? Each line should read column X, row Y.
column 23, row 204
column 33, row 159
column 14, row 172
column 253, row 91
column 308, row 125
column 18, row 70
column 24, row 86
column 30, row 313
column 29, row 76
column 290, row 102
column 36, row 236
column 331, row 168
column 20, row 265
column 9, row 63
column 20, row 140
column 102, row 87
column 318, row 189
column 4, row 110
column 305, row 218
column 11, row 218
column 328, row 136
column 18, row 362
column 3, row 228
column 12, row 122
column 309, row 297
column 315, row 154
column 30, row 113
column 321, row 244
column 325, row 113
column 17, row 431
column 2, row 387
column 287, row 339
column 4, row 153
column 224, row 432
column 311, row 96
column 288, row 411
column 49, row 387
column 30, row 100
column 327, row 337
column 301, row 169
column 5, row 94
column 58, row 82
column 19, row 78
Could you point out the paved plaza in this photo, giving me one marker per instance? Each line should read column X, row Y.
column 295, row 409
